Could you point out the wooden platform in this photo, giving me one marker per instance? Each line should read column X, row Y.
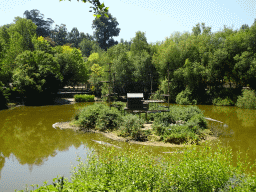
column 144, row 111
column 153, row 101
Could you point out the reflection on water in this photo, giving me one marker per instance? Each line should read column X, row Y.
column 31, row 151
column 241, row 130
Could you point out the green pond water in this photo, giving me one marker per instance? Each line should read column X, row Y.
column 32, row 151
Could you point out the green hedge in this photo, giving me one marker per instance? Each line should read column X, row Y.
column 84, row 98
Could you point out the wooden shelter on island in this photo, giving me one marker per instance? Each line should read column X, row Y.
column 137, row 104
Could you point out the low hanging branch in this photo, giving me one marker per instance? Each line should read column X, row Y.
column 97, row 6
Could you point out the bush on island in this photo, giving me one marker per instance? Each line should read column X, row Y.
column 180, row 125
column 131, row 126
column 98, row 116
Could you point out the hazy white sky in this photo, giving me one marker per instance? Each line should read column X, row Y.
column 158, row 18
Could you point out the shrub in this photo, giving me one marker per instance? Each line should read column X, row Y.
column 131, row 126
column 203, row 169
column 108, row 119
column 84, row 98
column 181, row 134
column 223, row 102
column 188, row 130
column 247, row 99
column 185, row 98
column 119, row 104
column 98, row 116
column 184, row 113
column 164, row 118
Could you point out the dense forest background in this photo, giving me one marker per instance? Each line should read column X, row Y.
column 36, row 60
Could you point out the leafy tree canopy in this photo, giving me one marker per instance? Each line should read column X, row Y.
column 139, row 43
column 43, row 26
column 105, row 29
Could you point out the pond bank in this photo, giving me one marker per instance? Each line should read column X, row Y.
column 113, row 135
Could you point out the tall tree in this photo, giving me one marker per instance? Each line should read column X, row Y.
column 88, row 46
column 59, row 34
column 139, row 43
column 105, row 29
column 74, row 37
column 201, row 29
column 85, row 36
column 43, row 26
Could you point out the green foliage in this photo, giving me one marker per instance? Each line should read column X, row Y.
column 180, row 125
column 224, row 102
column 36, row 72
column 185, row 98
column 167, row 56
column 139, row 43
column 119, row 105
column 156, row 96
column 84, row 98
column 88, row 46
column 124, row 71
column 131, row 126
column 201, row 29
column 205, row 169
column 41, row 44
column 14, row 40
column 105, row 29
column 247, row 99
column 72, row 66
column 43, row 26
column 98, row 116
column 25, row 30
column 245, row 69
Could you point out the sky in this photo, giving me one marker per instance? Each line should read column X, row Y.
column 157, row 18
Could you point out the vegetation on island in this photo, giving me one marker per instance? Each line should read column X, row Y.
column 181, row 125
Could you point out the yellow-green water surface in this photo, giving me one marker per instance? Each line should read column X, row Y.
column 32, row 151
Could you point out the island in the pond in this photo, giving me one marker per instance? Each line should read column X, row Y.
column 179, row 127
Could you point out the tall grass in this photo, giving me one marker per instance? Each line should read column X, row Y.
column 205, row 169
